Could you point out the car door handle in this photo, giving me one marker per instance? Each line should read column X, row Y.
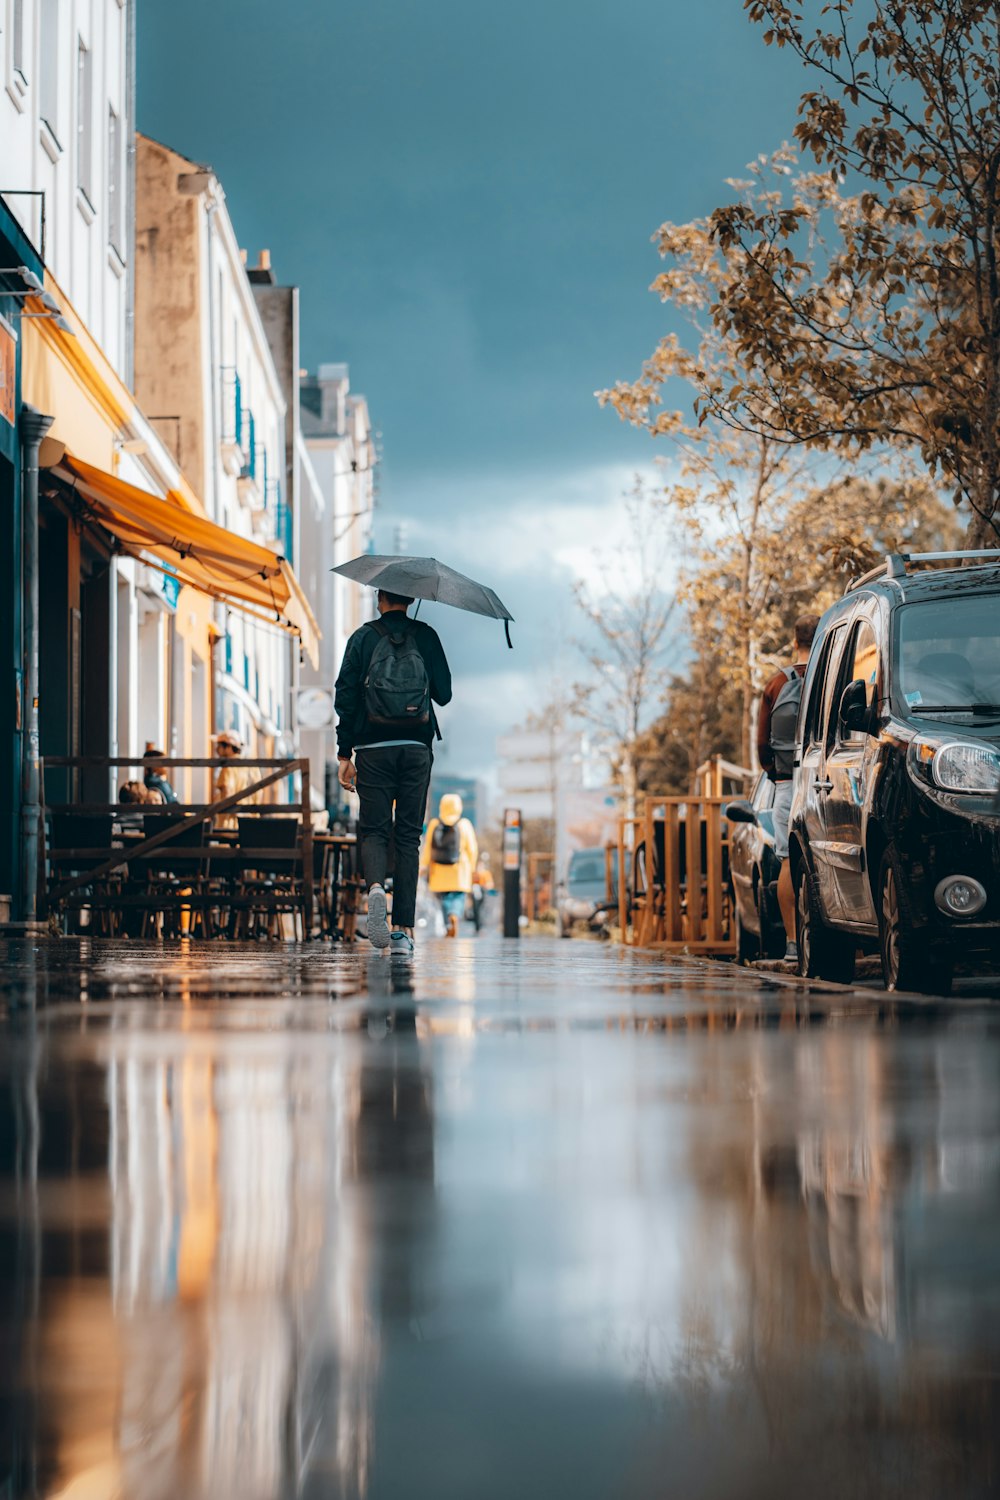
column 823, row 786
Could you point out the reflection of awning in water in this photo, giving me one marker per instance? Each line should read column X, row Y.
column 196, row 551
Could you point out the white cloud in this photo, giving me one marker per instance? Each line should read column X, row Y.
column 530, row 537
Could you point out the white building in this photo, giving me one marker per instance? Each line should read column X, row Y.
column 204, row 367
column 557, row 776
column 66, row 125
column 337, row 511
column 67, row 129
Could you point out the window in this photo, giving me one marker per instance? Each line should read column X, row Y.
column 17, row 38
column 763, row 793
column 84, row 128
column 948, row 653
column 822, row 687
column 864, row 663
column 115, row 206
column 48, row 65
column 860, row 665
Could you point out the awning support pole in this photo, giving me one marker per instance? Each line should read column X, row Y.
column 34, row 426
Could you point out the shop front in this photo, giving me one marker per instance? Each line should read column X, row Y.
column 19, row 265
column 131, row 579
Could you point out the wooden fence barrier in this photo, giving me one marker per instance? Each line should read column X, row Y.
column 541, row 870
column 676, row 894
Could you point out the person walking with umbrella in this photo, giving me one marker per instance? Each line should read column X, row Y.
column 394, row 671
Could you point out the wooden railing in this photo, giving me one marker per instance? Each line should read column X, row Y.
column 675, row 861
column 188, row 815
column 541, row 866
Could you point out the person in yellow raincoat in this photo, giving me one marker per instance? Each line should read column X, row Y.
column 448, row 858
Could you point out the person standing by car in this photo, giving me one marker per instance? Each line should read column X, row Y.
column 394, row 671
column 779, row 712
column 449, row 857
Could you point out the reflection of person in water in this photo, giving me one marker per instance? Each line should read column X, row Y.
column 394, row 1145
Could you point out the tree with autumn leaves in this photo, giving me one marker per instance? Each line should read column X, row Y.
column 874, row 318
column 805, row 551
column 842, row 353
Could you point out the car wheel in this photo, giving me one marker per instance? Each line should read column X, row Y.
column 823, row 953
column 909, row 962
column 747, row 943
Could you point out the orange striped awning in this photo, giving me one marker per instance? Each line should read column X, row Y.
column 195, row 550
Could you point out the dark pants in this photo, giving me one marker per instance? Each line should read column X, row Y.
column 400, row 774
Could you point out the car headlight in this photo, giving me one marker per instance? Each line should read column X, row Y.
column 963, row 767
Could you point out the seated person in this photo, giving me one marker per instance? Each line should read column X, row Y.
column 135, row 793
column 153, row 775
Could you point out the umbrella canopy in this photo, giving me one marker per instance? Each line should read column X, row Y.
column 426, row 578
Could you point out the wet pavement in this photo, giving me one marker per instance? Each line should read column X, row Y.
column 529, row 1220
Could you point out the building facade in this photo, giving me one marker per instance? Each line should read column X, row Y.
column 204, row 369
column 67, row 124
column 147, row 594
column 339, row 459
column 556, row 776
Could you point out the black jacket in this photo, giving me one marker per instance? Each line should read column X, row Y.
column 353, row 727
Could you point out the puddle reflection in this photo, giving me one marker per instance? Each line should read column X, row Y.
column 418, row 1257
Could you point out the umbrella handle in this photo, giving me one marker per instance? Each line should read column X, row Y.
column 506, row 627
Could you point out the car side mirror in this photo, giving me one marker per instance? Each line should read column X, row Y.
column 855, row 715
column 739, row 812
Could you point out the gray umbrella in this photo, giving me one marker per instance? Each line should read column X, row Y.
column 426, row 578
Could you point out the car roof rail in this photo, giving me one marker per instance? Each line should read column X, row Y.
column 895, row 564
column 950, row 556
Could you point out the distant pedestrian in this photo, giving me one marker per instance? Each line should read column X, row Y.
column 449, row 856
column 153, row 772
column 779, row 711
column 482, row 886
column 394, row 671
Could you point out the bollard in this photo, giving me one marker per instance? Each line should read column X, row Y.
column 511, row 873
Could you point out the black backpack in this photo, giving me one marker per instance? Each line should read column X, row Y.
column 397, row 688
column 446, row 844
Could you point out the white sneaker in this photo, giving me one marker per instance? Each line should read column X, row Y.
column 378, row 927
column 401, row 942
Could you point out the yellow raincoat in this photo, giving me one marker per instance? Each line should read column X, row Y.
column 456, row 877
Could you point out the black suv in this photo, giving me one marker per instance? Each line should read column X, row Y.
column 895, row 824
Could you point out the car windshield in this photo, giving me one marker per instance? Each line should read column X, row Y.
column 586, row 869
column 949, row 656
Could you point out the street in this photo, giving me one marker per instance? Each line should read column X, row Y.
column 530, row 1219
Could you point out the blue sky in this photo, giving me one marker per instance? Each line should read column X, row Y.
column 465, row 194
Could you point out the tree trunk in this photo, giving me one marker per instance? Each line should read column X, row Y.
column 746, row 724
column 628, row 781
column 983, row 529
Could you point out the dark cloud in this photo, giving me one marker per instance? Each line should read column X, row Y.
column 465, row 194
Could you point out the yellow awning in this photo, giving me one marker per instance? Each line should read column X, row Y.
column 196, row 551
